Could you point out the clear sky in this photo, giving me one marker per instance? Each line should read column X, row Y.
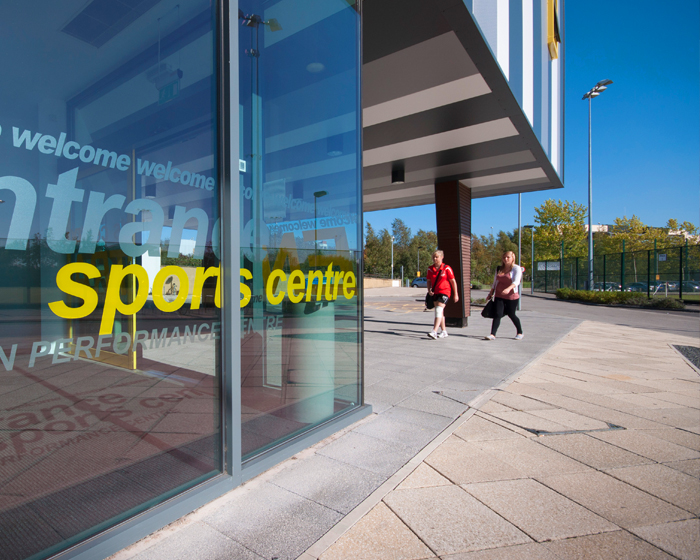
column 646, row 126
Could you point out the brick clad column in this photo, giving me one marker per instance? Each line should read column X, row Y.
column 453, row 209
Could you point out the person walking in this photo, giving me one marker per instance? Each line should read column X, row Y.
column 505, row 288
column 441, row 284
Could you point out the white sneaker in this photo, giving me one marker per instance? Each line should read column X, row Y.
column 443, row 334
column 433, row 334
column 519, row 336
column 490, row 337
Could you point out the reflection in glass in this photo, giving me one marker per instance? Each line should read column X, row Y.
column 300, row 213
column 109, row 318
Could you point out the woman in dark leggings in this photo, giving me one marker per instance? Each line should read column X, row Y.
column 505, row 289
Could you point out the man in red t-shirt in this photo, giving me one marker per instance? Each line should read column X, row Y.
column 441, row 283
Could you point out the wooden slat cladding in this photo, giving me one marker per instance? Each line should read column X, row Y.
column 453, row 208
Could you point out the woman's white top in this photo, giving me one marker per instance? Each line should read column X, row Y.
column 516, row 275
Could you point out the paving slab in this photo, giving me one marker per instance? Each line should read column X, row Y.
column 464, row 462
column 386, row 428
column 571, row 420
column 480, row 429
column 380, row 534
column 532, row 551
column 423, row 477
column 593, row 452
column 682, row 539
column 530, row 458
column 209, row 543
column 537, row 510
column 691, row 467
column 449, row 520
column 368, row 453
column 427, row 401
column 663, row 482
column 675, row 435
column 269, row 510
column 328, row 482
column 529, row 421
column 646, row 445
column 418, row 418
column 617, row 545
column 519, row 402
column 614, row 500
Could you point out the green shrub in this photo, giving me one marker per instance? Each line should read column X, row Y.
column 618, row 298
column 665, row 303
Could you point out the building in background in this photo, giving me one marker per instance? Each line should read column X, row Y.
column 461, row 100
column 181, row 229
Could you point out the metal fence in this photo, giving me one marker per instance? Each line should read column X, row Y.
column 673, row 271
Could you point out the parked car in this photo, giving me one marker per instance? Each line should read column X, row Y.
column 638, row 287
column 655, row 287
column 691, row 286
column 420, row 282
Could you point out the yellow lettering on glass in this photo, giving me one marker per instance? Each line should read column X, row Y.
column 69, row 286
column 348, row 285
column 200, row 276
column 271, row 285
column 159, row 283
column 113, row 300
column 296, row 282
column 245, row 290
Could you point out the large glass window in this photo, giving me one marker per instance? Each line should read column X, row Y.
column 109, row 313
column 300, row 216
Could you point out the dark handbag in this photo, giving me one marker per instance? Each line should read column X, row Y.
column 489, row 310
column 429, row 301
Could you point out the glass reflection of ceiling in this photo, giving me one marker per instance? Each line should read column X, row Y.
column 47, row 63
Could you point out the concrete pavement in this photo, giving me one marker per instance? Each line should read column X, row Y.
column 581, row 441
column 592, row 452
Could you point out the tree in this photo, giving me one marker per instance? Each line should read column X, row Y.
column 560, row 226
column 373, row 251
column 425, row 244
column 402, row 248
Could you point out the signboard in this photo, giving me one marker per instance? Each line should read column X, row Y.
column 168, row 92
column 548, row 265
column 662, row 257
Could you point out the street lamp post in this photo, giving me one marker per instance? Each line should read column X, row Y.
column 392, row 257
column 532, row 258
column 520, row 239
column 599, row 88
column 317, row 195
column 419, row 248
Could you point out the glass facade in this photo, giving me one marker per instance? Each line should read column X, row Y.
column 112, row 368
column 300, row 217
column 109, row 318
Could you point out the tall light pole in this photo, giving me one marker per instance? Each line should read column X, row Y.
column 317, row 195
column 532, row 258
column 392, row 257
column 599, row 88
column 520, row 239
column 419, row 248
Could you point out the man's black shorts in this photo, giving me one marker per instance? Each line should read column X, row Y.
column 441, row 298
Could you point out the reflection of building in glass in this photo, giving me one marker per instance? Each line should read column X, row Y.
column 180, row 307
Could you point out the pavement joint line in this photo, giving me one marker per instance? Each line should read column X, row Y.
column 364, row 507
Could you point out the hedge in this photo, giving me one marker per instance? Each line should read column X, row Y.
column 618, row 298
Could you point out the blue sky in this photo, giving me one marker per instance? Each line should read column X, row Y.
column 646, row 126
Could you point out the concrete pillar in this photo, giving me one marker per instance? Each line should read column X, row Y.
column 453, row 208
